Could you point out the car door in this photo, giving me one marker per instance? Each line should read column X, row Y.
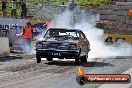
column 84, row 44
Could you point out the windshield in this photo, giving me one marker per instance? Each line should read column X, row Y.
column 65, row 34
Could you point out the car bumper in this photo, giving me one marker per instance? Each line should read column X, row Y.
column 68, row 54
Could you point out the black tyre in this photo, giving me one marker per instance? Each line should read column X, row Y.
column 81, row 80
column 83, row 59
column 77, row 60
column 38, row 58
column 49, row 59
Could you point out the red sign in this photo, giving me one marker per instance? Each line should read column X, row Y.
column 130, row 12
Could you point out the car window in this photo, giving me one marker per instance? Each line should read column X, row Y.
column 68, row 34
column 82, row 35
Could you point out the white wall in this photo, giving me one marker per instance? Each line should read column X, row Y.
column 4, row 46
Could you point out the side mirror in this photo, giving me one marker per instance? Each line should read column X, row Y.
column 85, row 39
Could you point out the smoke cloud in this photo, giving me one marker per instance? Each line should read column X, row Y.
column 86, row 22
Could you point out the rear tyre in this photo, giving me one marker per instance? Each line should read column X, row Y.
column 49, row 59
column 83, row 59
column 38, row 58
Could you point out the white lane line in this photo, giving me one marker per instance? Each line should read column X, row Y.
column 95, row 59
column 129, row 71
column 89, row 59
column 56, row 59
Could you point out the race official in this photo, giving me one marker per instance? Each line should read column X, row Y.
column 27, row 35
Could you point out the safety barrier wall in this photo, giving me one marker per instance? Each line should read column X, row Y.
column 4, row 46
column 113, row 38
column 9, row 27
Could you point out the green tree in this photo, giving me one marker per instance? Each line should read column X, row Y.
column 93, row 2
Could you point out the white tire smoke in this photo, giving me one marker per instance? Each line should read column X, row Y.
column 87, row 23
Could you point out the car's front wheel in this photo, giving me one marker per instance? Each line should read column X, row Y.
column 83, row 59
column 77, row 60
column 38, row 57
column 49, row 59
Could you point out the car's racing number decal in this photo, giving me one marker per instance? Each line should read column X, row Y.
column 109, row 39
column 114, row 38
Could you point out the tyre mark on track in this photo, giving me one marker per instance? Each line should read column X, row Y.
column 32, row 70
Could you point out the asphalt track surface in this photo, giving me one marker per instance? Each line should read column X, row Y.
column 26, row 73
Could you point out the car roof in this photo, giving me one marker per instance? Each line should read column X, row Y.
column 64, row 29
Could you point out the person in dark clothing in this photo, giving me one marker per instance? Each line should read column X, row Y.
column 14, row 7
column 24, row 9
column 63, row 7
column 72, row 6
column 3, row 7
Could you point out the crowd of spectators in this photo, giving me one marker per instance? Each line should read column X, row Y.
column 116, row 27
column 15, row 4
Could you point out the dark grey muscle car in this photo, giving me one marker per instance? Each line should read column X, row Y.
column 63, row 43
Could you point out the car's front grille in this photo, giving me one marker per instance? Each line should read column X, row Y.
column 51, row 45
column 60, row 46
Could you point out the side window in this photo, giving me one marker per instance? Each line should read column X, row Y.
column 82, row 35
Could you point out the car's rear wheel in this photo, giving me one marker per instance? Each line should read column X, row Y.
column 38, row 58
column 83, row 59
column 49, row 59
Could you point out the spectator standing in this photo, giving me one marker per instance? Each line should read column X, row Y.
column 14, row 8
column 45, row 24
column 3, row 7
column 63, row 7
column 27, row 35
column 24, row 9
column 72, row 6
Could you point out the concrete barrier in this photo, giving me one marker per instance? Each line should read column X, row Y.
column 4, row 46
